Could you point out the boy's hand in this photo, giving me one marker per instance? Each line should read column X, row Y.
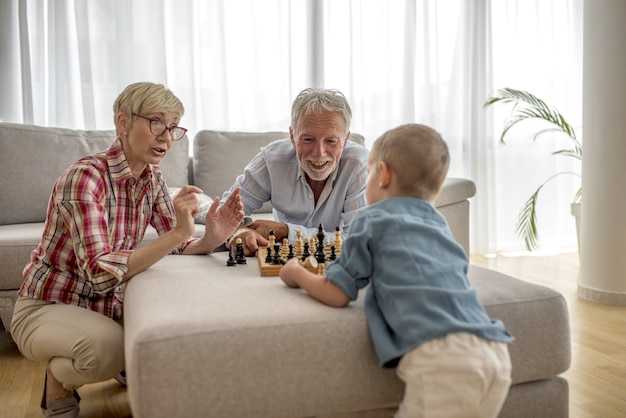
column 290, row 271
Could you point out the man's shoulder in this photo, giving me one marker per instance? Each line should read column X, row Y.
column 354, row 151
column 279, row 147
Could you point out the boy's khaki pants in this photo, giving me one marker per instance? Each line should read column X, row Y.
column 459, row 375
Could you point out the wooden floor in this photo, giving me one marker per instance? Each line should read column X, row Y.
column 597, row 377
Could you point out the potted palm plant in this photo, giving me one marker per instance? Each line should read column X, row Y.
column 527, row 106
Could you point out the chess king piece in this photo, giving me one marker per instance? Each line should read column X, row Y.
column 320, row 255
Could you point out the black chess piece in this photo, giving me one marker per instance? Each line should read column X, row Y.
column 333, row 254
column 268, row 256
column 320, row 234
column 290, row 254
column 320, row 255
column 276, row 258
column 231, row 258
column 240, row 256
column 305, row 251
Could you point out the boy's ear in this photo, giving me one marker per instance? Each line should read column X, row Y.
column 385, row 175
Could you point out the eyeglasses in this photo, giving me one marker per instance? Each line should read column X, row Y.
column 158, row 128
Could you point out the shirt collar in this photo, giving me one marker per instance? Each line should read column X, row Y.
column 118, row 165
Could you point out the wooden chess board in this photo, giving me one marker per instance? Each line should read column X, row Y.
column 311, row 264
column 268, row 270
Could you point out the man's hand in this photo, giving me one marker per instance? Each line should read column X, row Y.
column 263, row 227
column 251, row 240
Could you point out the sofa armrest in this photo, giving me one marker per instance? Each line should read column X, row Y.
column 453, row 204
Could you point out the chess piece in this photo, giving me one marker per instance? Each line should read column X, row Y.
column 310, row 263
column 320, row 255
column 276, row 257
column 320, row 234
column 337, row 243
column 231, row 258
column 299, row 246
column 290, row 254
column 284, row 249
column 333, row 254
column 240, row 257
column 272, row 239
column 268, row 255
column 305, row 250
column 321, row 269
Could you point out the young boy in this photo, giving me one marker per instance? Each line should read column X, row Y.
column 422, row 313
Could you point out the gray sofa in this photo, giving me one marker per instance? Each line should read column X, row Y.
column 32, row 157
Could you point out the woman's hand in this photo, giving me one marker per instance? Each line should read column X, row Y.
column 222, row 222
column 186, row 206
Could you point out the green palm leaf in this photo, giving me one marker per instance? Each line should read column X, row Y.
column 528, row 106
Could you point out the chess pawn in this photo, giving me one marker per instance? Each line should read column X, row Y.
column 290, row 254
column 333, row 254
column 299, row 245
column 305, row 250
column 321, row 269
column 337, row 242
column 284, row 249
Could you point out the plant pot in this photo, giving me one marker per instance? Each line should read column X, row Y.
column 575, row 210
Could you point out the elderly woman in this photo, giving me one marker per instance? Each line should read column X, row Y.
column 70, row 302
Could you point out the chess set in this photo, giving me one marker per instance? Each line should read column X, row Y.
column 312, row 253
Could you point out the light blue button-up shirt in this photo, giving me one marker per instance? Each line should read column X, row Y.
column 419, row 290
column 275, row 175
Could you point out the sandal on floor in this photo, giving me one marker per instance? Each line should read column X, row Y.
column 121, row 377
column 61, row 408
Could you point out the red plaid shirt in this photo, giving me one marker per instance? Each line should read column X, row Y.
column 97, row 214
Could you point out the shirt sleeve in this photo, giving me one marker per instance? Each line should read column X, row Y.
column 353, row 269
column 255, row 184
column 355, row 193
column 81, row 204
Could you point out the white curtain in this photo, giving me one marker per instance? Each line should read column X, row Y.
column 238, row 64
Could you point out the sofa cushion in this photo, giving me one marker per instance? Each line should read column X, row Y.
column 536, row 316
column 50, row 151
column 274, row 351
column 219, row 157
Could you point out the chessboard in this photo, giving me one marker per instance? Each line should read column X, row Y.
column 311, row 254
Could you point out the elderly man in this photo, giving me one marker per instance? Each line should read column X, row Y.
column 314, row 177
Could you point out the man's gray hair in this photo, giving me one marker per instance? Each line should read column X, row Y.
column 313, row 100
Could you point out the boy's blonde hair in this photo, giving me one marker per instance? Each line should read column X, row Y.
column 144, row 98
column 417, row 155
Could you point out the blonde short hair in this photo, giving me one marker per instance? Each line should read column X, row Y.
column 144, row 98
column 418, row 156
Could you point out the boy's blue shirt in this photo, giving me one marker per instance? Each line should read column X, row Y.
column 419, row 288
